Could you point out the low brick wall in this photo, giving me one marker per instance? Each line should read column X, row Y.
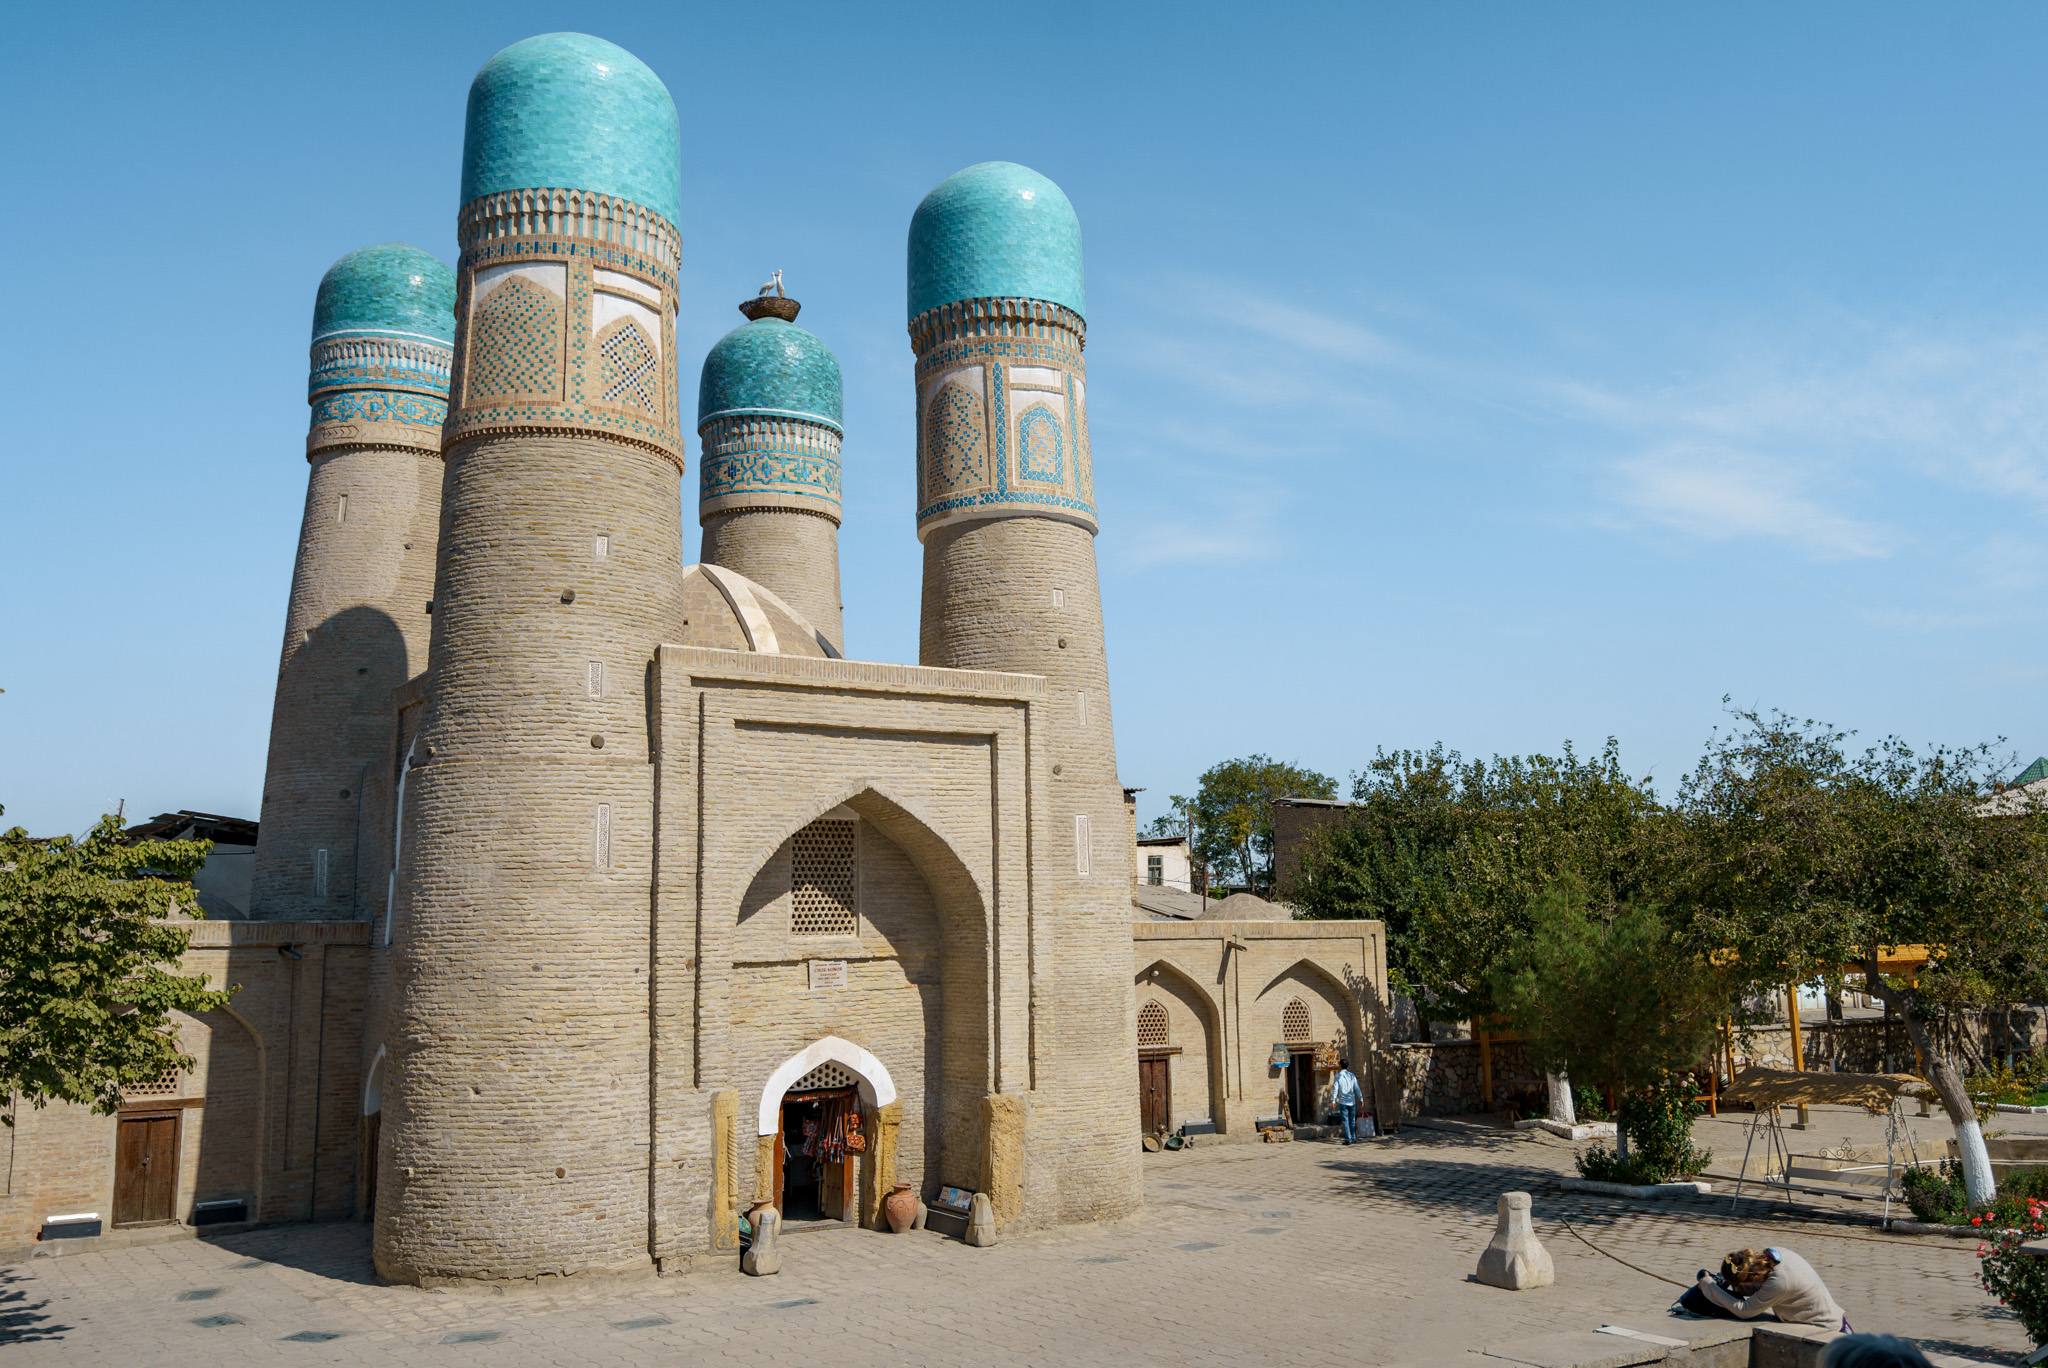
column 1442, row 1078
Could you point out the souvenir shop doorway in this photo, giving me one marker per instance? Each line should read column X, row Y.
column 815, row 1149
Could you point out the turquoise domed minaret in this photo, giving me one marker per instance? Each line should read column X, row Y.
column 571, row 169
column 768, row 418
column 355, row 629
column 559, row 578
column 1006, row 512
column 995, row 272
column 383, row 336
column 573, row 112
column 995, row 231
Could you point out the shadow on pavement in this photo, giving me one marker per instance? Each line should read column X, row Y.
column 21, row 1320
column 331, row 1249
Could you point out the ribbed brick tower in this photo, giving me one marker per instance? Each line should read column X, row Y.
column 768, row 418
column 357, row 624
column 519, row 1040
column 1006, row 512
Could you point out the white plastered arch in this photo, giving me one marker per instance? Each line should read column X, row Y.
column 373, row 1085
column 877, row 1089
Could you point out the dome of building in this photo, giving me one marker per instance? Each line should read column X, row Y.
column 391, row 289
column 995, row 230
column 570, row 112
column 773, row 368
column 726, row 611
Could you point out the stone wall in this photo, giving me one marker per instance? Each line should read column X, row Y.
column 1443, row 1078
column 266, row 1114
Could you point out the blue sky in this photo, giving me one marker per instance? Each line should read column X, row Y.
column 1498, row 374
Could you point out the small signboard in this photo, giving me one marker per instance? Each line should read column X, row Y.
column 954, row 1199
column 827, row 974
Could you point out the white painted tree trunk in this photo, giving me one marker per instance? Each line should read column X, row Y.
column 1560, row 1088
column 1977, row 1182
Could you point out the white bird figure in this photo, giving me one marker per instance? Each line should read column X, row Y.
column 773, row 286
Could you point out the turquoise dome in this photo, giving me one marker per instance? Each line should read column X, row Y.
column 995, row 230
column 571, row 112
column 770, row 367
column 389, row 288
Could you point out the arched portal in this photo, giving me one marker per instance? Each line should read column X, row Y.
column 821, row 1110
column 877, row 1089
column 1180, row 1069
column 864, row 919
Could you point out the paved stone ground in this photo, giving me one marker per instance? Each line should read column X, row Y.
column 1245, row 1254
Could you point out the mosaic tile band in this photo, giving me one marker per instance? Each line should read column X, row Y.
column 355, row 361
column 566, row 314
column 383, row 325
column 363, row 418
column 750, row 461
column 1002, row 414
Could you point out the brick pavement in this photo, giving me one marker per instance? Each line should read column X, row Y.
column 1289, row 1254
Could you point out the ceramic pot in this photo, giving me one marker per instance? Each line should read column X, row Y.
column 900, row 1207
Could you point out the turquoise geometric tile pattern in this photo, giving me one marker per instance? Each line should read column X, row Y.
column 389, row 288
column 571, row 112
column 770, row 367
column 992, row 231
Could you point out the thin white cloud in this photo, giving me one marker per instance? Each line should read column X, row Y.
column 1718, row 495
column 1823, row 432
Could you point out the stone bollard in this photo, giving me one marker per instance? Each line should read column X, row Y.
column 981, row 1222
column 1515, row 1260
column 762, row 1257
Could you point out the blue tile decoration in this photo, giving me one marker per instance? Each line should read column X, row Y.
column 770, row 367
column 571, row 159
column 380, row 406
column 571, row 111
column 768, row 416
column 995, row 230
column 1041, row 446
column 1037, row 458
column 391, row 289
column 383, row 334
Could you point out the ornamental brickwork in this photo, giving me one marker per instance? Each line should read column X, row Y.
column 566, row 314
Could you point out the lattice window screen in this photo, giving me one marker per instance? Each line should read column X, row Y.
column 830, row 1074
column 1151, row 1026
column 1294, row 1026
column 822, row 900
column 164, row 1084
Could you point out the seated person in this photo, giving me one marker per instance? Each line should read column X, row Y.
column 1773, row 1282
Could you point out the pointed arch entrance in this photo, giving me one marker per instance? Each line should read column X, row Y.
column 811, row 1123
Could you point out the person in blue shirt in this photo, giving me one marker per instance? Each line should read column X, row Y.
column 1346, row 1093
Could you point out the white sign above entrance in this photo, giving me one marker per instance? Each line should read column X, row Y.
column 827, row 974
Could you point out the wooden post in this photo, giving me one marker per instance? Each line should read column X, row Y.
column 1728, row 1045
column 1798, row 1052
column 1486, row 1067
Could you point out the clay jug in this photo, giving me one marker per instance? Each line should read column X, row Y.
column 900, row 1207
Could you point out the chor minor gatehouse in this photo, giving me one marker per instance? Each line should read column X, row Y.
column 594, row 886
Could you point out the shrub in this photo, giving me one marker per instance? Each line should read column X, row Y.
column 1936, row 1195
column 1658, row 1123
column 2018, row 1280
column 1602, row 1165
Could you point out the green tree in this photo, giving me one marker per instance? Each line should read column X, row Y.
column 1613, row 997
column 1453, row 856
column 84, row 1000
column 1232, row 814
column 1803, row 858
